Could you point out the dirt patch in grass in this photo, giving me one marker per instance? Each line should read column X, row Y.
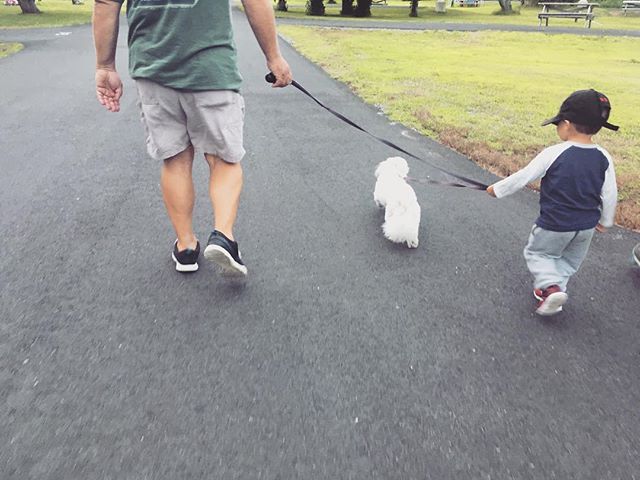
column 459, row 139
column 496, row 162
column 7, row 49
column 479, row 94
column 628, row 211
column 628, row 214
column 502, row 164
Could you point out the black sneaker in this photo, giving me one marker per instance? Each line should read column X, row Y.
column 224, row 253
column 187, row 259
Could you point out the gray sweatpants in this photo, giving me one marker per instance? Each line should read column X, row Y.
column 552, row 257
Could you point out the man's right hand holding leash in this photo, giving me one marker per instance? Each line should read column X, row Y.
column 280, row 68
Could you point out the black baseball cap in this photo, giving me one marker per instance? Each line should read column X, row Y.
column 585, row 107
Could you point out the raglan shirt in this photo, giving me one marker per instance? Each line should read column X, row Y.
column 183, row 44
column 578, row 188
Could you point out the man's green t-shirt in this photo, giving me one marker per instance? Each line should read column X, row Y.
column 183, row 44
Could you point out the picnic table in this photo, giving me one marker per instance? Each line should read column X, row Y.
column 575, row 10
column 466, row 3
column 630, row 5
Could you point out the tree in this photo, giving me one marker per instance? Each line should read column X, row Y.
column 505, row 6
column 414, row 8
column 347, row 8
column 315, row 7
column 28, row 6
column 363, row 8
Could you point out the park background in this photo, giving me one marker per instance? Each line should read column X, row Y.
column 483, row 93
column 343, row 355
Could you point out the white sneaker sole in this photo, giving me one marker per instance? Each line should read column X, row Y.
column 539, row 298
column 553, row 304
column 184, row 268
column 224, row 260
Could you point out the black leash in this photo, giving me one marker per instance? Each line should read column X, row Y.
column 468, row 182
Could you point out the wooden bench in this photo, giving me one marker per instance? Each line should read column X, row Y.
column 577, row 11
column 630, row 5
column 467, row 3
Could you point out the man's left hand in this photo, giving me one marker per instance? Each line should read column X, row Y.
column 108, row 88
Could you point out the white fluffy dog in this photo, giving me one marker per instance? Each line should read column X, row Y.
column 402, row 212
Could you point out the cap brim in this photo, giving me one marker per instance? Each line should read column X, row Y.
column 555, row 120
column 610, row 126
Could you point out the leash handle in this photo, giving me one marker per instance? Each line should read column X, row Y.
column 467, row 182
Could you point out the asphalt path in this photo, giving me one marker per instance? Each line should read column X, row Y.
column 341, row 357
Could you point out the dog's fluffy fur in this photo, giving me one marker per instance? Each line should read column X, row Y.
column 395, row 195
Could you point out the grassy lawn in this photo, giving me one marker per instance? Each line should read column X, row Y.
column 55, row 13
column 397, row 10
column 485, row 93
column 7, row 49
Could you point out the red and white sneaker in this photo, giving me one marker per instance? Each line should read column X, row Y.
column 551, row 300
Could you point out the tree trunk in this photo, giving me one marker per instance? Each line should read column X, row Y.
column 506, row 7
column 282, row 6
column 347, row 8
column 315, row 7
column 363, row 8
column 28, row 6
column 414, row 8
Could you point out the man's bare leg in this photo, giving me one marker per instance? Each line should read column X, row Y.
column 179, row 196
column 225, row 185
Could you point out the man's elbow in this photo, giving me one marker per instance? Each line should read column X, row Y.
column 106, row 10
column 112, row 6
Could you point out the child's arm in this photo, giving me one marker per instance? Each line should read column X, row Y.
column 609, row 198
column 536, row 169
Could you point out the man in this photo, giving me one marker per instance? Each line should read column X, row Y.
column 183, row 59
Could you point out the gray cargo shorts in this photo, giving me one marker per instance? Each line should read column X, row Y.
column 210, row 120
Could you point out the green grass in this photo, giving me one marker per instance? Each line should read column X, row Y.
column 7, row 49
column 485, row 93
column 55, row 13
column 397, row 10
